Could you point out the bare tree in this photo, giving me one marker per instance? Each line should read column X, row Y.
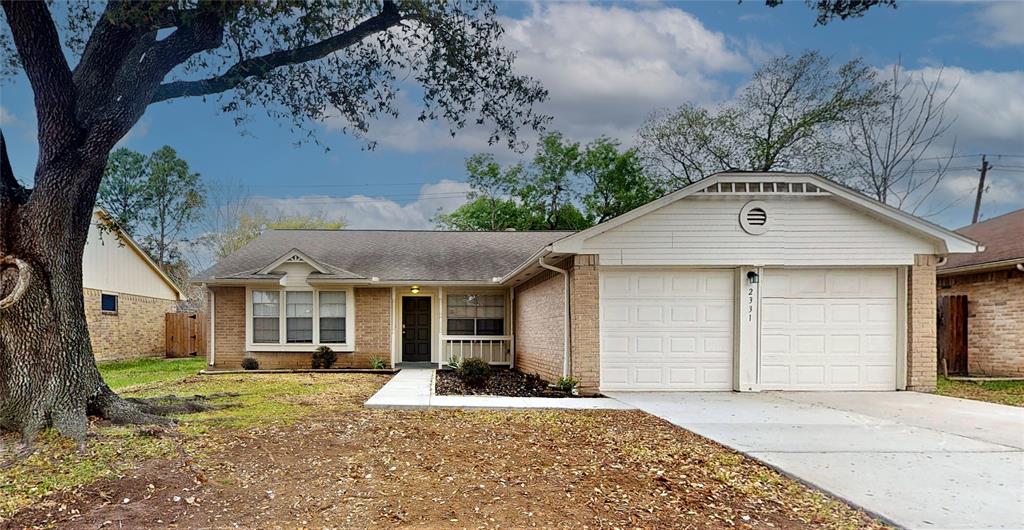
column 894, row 150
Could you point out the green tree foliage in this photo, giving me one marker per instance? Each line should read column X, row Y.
column 565, row 186
column 155, row 199
column 248, row 225
column 791, row 116
column 123, row 191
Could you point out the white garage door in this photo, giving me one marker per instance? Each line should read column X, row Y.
column 828, row 329
column 667, row 329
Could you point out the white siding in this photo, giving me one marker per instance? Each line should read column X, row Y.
column 109, row 265
column 805, row 231
column 294, row 274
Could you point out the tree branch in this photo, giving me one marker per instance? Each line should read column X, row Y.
column 258, row 66
column 35, row 37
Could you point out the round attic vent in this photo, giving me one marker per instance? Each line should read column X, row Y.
column 754, row 218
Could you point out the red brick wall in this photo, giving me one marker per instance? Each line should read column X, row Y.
column 373, row 319
column 586, row 332
column 135, row 330
column 995, row 320
column 539, row 324
column 921, row 325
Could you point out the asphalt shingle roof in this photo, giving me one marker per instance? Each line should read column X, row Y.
column 391, row 255
column 1003, row 238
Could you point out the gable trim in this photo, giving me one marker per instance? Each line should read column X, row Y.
column 950, row 241
column 291, row 255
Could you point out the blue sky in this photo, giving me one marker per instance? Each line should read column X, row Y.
column 607, row 66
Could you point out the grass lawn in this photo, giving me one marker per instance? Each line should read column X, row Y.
column 1003, row 392
column 299, row 450
column 124, row 374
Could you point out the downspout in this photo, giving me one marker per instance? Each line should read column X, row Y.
column 213, row 328
column 942, row 261
column 565, row 334
column 1020, row 267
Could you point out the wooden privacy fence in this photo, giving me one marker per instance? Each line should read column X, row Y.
column 952, row 335
column 185, row 334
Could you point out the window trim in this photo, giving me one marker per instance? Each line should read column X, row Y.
column 282, row 345
column 117, row 303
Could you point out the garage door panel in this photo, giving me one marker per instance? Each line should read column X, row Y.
column 666, row 329
column 828, row 329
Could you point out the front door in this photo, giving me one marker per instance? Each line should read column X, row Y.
column 416, row 329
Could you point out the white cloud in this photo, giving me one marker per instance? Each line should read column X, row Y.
column 362, row 211
column 7, row 118
column 1003, row 22
column 605, row 67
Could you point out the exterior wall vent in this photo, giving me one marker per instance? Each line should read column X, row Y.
column 754, row 218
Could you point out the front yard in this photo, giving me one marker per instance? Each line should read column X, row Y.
column 299, row 450
column 1003, row 392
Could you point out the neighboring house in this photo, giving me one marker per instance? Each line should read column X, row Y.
column 742, row 281
column 126, row 295
column 993, row 282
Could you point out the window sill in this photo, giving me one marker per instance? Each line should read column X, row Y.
column 302, row 348
column 111, row 313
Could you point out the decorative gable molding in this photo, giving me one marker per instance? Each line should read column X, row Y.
column 294, row 256
column 762, row 187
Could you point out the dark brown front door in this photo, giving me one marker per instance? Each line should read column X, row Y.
column 416, row 328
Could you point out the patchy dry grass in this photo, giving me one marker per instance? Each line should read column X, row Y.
column 298, row 450
column 1002, row 392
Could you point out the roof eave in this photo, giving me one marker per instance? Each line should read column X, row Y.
column 980, row 267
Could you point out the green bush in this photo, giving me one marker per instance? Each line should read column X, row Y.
column 324, row 357
column 473, row 372
column 378, row 363
column 250, row 363
column 567, row 384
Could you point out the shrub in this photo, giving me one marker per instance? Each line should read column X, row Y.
column 324, row 357
column 250, row 363
column 378, row 363
column 567, row 384
column 454, row 362
column 473, row 372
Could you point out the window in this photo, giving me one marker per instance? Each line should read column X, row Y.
column 476, row 314
column 299, row 316
column 108, row 303
column 266, row 314
column 332, row 316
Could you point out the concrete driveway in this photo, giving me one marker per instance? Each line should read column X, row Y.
column 917, row 460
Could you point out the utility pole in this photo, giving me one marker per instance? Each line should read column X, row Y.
column 985, row 166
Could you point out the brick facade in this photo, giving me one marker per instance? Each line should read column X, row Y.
column 995, row 320
column 922, row 355
column 135, row 330
column 372, row 333
column 539, row 323
column 586, row 329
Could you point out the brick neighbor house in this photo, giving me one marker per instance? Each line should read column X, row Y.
column 993, row 283
column 742, row 281
column 126, row 295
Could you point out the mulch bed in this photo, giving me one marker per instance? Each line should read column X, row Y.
column 503, row 382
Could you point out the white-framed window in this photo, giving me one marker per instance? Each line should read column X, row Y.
column 279, row 319
column 476, row 314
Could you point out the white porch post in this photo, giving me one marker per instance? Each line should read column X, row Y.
column 440, row 327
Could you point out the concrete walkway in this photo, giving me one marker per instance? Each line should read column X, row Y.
column 917, row 460
column 413, row 389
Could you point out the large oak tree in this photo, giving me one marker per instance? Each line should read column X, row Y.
column 299, row 60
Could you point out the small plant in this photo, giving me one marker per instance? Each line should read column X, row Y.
column 473, row 372
column 324, row 357
column 567, row 384
column 455, row 362
column 378, row 363
column 250, row 363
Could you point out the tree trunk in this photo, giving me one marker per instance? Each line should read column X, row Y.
column 48, row 375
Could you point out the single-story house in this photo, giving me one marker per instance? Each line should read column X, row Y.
column 741, row 281
column 126, row 295
column 991, row 286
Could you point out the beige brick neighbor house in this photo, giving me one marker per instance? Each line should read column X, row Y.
column 742, row 281
column 126, row 296
column 993, row 283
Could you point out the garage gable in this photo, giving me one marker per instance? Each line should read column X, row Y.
column 764, row 219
